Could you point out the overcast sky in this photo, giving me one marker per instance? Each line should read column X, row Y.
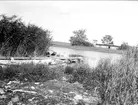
column 99, row 18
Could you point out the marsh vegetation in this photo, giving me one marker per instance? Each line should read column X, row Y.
column 106, row 84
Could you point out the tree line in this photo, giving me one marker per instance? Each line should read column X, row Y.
column 80, row 39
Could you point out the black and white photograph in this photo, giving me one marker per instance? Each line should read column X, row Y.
column 68, row 52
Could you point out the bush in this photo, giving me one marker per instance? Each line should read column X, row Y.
column 31, row 73
column 102, row 76
column 18, row 39
column 10, row 73
column 82, row 43
column 84, row 75
column 124, row 46
column 116, row 84
column 69, row 70
column 123, row 87
column 80, row 39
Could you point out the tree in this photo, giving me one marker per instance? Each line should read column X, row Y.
column 80, row 38
column 124, row 46
column 18, row 39
column 107, row 39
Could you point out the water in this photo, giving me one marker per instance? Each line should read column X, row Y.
column 91, row 57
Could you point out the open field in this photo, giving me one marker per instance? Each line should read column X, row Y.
column 96, row 49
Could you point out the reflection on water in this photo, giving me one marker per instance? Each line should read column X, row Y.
column 91, row 57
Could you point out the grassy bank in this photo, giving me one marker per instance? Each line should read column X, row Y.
column 96, row 49
column 112, row 84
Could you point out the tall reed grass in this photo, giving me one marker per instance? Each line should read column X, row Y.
column 115, row 84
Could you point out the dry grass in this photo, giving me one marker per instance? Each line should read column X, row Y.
column 31, row 73
column 116, row 84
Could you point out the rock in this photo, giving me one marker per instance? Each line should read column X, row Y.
column 37, row 83
column 12, row 59
column 80, row 102
column 1, row 91
column 31, row 99
column 32, row 87
column 87, row 100
column 15, row 99
column 15, row 82
column 2, row 97
column 64, row 79
column 71, row 94
column 51, row 91
column 25, row 91
column 78, row 97
column 10, row 103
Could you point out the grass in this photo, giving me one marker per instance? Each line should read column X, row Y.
column 41, row 84
column 30, row 73
column 75, row 55
column 97, row 49
column 114, row 84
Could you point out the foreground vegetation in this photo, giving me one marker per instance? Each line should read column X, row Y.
column 19, row 39
column 106, row 84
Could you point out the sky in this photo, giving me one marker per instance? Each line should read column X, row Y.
column 99, row 18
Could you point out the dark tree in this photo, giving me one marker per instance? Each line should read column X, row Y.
column 107, row 39
column 80, row 39
column 124, row 46
column 18, row 39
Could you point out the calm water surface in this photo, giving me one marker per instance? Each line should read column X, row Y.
column 91, row 57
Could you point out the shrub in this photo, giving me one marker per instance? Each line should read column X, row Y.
column 116, row 84
column 80, row 39
column 102, row 76
column 10, row 73
column 18, row 39
column 69, row 70
column 82, row 43
column 31, row 73
column 84, row 75
column 94, row 78
column 123, row 87
column 124, row 46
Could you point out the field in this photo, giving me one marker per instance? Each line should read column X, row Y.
column 96, row 49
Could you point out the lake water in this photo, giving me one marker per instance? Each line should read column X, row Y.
column 91, row 57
